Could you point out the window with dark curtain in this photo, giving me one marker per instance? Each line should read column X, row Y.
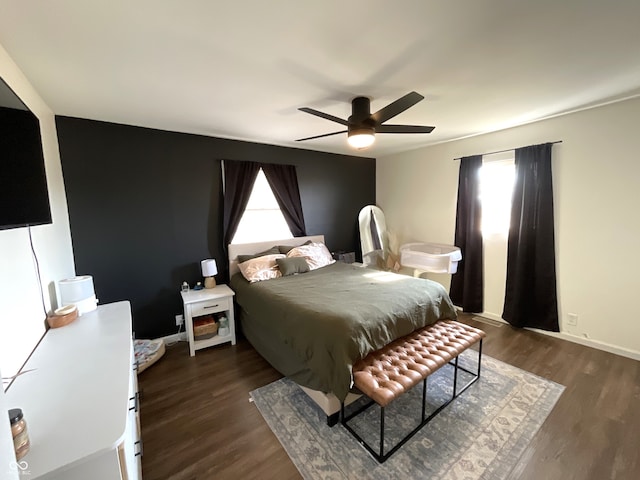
column 283, row 180
column 239, row 178
column 467, row 289
column 530, row 294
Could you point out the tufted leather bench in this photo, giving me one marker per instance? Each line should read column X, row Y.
column 386, row 374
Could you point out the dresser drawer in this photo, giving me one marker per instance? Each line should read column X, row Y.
column 209, row 306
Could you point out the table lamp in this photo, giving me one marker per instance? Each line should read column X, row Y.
column 209, row 269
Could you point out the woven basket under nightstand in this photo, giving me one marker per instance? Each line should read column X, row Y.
column 205, row 328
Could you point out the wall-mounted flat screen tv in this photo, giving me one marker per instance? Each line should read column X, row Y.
column 24, row 198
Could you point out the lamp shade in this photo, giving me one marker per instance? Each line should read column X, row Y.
column 209, row 267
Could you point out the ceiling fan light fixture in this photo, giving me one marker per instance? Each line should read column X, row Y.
column 361, row 138
column 362, row 125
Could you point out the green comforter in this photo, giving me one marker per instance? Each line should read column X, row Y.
column 314, row 326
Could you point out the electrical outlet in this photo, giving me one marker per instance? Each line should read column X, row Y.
column 572, row 319
column 179, row 320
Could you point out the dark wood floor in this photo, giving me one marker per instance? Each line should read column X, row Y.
column 197, row 422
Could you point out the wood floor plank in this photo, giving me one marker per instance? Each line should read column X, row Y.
column 198, row 424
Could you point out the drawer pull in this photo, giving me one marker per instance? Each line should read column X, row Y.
column 211, row 306
column 139, row 452
column 136, row 402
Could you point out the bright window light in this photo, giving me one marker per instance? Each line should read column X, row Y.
column 262, row 219
column 496, row 188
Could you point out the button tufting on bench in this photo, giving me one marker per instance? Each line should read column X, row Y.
column 387, row 373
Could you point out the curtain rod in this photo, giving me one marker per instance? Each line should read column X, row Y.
column 506, row 150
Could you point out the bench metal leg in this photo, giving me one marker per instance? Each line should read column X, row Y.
column 424, row 397
column 455, row 376
column 381, row 432
column 380, row 456
column 475, row 375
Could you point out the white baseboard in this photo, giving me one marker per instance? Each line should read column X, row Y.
column 492, row 316
column 588, row 342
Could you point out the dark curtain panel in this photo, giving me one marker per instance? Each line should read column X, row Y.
column 284, row 183
column 239, row 178
column 467, row 289
column 530, row 295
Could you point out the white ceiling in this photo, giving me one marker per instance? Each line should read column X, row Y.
column 242, row 69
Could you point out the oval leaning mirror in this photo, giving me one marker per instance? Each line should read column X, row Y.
column 373, row 235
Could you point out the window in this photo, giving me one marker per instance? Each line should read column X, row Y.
column 262, row 219
column 497, row 178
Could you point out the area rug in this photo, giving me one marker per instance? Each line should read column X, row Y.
column 480, row 435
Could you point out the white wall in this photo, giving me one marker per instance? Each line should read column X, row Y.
column 22, row 318
column 596, row 172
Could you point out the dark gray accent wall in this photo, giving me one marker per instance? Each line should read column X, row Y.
column 145, row 206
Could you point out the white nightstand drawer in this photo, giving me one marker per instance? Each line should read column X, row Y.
column 210, row 306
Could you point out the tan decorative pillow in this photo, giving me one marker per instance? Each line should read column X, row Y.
column 261, row 268
column 317, row 255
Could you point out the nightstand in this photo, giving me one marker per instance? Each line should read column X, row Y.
column 346, row 257
column 209, row 301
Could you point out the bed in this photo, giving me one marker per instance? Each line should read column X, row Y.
column 313, row 326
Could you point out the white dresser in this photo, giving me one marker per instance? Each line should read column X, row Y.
column 9, row 468
column 81, row 402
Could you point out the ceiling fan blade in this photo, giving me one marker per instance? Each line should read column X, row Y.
column 320, row 136
column 323, row 115
column 397, row 107
column 404, row 129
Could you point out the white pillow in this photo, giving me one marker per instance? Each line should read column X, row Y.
column 261, row 268
column 316, row 254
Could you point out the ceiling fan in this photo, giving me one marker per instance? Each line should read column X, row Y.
column 362, row 125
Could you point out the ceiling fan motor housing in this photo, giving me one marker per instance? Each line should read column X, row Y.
column 360, row 121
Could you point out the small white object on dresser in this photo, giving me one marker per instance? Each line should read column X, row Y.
column 79, row 395
column 208, row 301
